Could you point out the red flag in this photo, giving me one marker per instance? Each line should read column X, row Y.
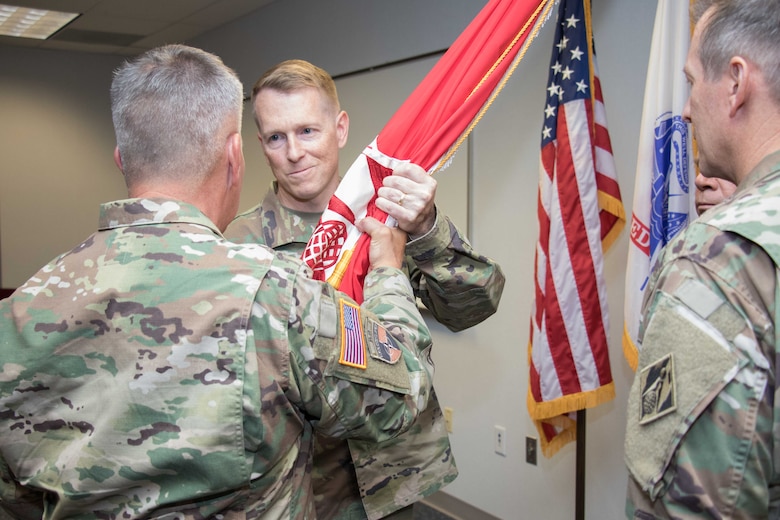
column 580, row 212
column 426, row 130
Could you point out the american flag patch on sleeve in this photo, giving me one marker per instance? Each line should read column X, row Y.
column 353, row 345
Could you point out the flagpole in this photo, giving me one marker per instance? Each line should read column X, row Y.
column 579, row 491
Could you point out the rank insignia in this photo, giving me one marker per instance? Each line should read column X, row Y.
column 384, row 347
column 353, row 345
column 657, row 389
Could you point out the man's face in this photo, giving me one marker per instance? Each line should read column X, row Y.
column 708, row 110
column 301, row 133
column 711, row 191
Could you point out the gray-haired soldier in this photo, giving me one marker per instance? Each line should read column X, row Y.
column 704, row 415
column 158, row 370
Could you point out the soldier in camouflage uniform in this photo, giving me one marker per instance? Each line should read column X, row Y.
column 301, row 129
column 158, row 370
column 703, row 411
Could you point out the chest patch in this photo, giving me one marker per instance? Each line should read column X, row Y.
column 657, row 390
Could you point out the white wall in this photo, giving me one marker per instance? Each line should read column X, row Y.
column 55, row 167
column 56, row 146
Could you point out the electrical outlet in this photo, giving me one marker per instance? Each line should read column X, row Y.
column 448, row 418
column 499, row 440
column 530, row 450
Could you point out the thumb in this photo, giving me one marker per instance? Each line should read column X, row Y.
column 369, row 225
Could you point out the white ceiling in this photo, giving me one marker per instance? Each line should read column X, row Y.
column 128, row 27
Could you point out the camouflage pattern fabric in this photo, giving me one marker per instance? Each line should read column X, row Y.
column 160, row 371
column 703, row 409
column 461, row 289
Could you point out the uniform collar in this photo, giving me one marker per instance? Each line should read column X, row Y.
column 291, row 227
column 137, row 212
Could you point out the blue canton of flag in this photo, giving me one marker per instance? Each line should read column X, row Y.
column 569, row 77
column 353, row 347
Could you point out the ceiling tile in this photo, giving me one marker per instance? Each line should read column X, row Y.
column 167, row 10
column 223, row 11
column 178, row 33
column 122, row 24
column 71, row 6
column 105, row 25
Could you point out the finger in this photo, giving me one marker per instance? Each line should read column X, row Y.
column 411, row 171
column 395, row 196
column 368, row 225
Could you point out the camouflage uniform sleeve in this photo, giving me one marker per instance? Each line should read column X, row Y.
column 700, row 411
column 361, row 371
column 460, row 287
column 17, row 501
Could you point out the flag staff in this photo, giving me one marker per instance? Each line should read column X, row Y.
column 579, row 485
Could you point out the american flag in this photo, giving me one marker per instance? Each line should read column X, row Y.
column 580, row 214
column 353, row 348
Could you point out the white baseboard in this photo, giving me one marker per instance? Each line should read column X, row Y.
column 456, row 508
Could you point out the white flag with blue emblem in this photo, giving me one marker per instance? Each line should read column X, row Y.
column 664, row 189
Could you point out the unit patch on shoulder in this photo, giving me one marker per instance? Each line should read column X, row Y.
column 353, row 344
column 383, row 347
column 657, row 390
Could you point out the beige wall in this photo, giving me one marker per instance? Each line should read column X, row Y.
column 56, row 161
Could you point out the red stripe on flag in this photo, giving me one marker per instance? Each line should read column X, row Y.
column 602, row 139
column 607, row 185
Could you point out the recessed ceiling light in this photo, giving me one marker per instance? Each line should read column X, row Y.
column 32, row 23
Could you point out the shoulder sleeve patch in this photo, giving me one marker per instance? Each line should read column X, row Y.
column 657, row 390
column 382, row 346
column 353, row 342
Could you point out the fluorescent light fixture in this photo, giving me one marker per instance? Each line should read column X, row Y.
column 32, row 23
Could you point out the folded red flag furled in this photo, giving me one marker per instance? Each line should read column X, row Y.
column 426, row 130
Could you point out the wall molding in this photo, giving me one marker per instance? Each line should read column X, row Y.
column 455, row 508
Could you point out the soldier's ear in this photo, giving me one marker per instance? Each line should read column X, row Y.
column 740, row 76
column 342, row 128
column 235, row 160
column 118, row 159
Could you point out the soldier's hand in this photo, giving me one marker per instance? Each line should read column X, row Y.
column 408, row 196
column 387, row 243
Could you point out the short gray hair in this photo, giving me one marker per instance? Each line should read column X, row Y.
column 172, row 108
column 746, row 28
